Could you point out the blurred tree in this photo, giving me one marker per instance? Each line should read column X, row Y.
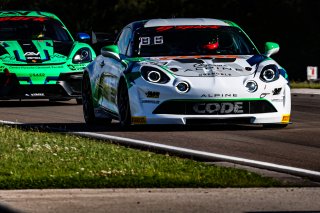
column 291, row 23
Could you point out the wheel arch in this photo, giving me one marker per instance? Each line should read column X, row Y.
column 87, row 74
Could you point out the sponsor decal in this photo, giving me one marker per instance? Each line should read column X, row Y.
column 165, row 28
column 138, row 120
column 285, row 118
column 35, row 67
column 219, row 95
column 263, row 95
column 152, row 94
column 7, row 58
column 215, row 74
column 76, row 66
column 215, row 67
column 21, row 18
column 219, row 108
column 196, row 56
column 276, row 91
column 35, row 95
column 37, row 74
column 32, row 55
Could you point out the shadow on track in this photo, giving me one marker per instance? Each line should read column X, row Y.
column 115, row 127
column 6, row 209
column 35, row 103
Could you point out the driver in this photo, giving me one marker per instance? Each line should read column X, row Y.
column 212, row 45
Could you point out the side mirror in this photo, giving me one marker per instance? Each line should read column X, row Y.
column 111, row 51
column 83, row 37
column 271, row 48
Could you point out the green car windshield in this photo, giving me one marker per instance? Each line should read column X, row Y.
column 32, row 28
column 191, row 40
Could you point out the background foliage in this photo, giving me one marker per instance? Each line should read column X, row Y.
column 291, row 23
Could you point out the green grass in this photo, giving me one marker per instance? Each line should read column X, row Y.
column 31, row 159
column 310, row 85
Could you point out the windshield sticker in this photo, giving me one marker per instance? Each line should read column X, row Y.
column 165, row 28
column 21, row 18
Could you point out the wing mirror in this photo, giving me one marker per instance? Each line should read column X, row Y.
column 271, row 48
column 111, row 51
column 83, row 37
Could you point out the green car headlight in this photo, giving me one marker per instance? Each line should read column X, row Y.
column 83, row 55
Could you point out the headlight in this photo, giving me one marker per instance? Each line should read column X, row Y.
column 269, row 73
column 154, row 75
column 83, row 55
column 252, row 86
column 183, row 87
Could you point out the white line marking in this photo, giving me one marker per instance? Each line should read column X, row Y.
column 195, row 153
column 10, row 122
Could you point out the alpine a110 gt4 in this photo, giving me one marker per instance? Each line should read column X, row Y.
column 39, row 57
column 186, row 71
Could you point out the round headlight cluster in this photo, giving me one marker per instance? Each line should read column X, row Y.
column 82, row 55
column 183, row 87
column 154, row 76
column 251, row 86
column 269, row 73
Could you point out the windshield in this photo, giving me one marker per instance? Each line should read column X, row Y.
column 191, row 40
column 32, row 28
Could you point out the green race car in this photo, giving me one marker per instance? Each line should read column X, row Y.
column 39, row 58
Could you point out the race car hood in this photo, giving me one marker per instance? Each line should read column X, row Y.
column 34, row 52
column 220, row 66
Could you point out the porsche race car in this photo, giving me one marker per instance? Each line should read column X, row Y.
column 186, row 71
column 39, row 58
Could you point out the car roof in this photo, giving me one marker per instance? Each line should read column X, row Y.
column 184, row 22
column 179, row 22
column 10, row 13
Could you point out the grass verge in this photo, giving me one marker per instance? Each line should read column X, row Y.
column 31, row 159
column 310, row 85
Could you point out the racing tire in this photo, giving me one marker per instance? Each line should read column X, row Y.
column 124, row 105
column 79, row 101
column 87, row 105
column 275, row 126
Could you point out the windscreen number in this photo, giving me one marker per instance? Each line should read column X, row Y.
column 151, row 40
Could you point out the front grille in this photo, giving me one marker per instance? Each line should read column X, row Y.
column 212, row 107
column 246, row 120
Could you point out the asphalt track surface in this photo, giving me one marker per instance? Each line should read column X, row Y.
column 298, row 145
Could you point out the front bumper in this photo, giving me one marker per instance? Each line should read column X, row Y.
column 222, row 101
column 267, row 117
column 67, row 85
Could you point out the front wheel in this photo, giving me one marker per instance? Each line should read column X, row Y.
column 124, row 105
column 79, row 101
column 87, row 104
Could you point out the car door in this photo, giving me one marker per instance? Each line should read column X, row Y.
column 111, row 72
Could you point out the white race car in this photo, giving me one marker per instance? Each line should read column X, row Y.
column 186, row 71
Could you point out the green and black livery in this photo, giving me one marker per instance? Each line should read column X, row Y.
column 39, row 58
